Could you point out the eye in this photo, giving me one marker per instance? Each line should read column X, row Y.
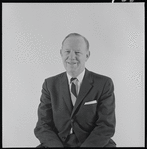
column 77, row 52
column 67, row 51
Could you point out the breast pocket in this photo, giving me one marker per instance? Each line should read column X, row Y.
column 90, row 102
column 89, row 108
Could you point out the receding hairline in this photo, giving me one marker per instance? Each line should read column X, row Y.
column 78, row 35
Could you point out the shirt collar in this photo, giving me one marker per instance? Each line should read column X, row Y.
column 79, row 77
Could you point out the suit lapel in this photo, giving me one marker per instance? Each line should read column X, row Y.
column 84, row 89
column 65, row 92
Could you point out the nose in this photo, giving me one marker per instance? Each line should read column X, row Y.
column 72, row 55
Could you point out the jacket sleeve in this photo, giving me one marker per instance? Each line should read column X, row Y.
column 105, row 124
column 45, row 129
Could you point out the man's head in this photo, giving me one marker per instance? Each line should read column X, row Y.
column 75, row 52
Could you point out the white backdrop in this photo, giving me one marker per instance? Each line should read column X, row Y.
column 31, row 40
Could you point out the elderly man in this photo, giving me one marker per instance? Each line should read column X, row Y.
column 77, row 107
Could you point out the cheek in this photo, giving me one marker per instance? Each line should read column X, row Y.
column 64, row 57
column 82, row 60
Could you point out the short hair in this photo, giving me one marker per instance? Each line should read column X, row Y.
column 76, row 34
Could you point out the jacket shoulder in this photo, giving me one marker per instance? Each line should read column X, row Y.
column 99, row 76
column 101, row 80
column 54, row 79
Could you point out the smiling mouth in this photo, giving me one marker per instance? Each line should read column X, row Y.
column 71, row 63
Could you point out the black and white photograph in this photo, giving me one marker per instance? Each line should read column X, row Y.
column 73, row 74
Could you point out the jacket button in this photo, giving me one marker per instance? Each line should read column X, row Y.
column 72, row 120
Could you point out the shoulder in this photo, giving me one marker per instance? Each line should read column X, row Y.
column 55, row 78
column 98, row 76
column 100, row 79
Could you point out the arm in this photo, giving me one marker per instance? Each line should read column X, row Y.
column 105, row 124
column 45, row 129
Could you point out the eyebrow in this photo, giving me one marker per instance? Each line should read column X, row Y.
column 78, row 50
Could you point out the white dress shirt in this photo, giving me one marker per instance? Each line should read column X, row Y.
column 80, row 79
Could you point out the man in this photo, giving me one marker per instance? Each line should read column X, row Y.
column 77, row 112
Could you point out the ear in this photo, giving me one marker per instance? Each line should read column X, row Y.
column 61, row 52
column 88, row 55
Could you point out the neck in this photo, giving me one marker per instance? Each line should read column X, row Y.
column 74, row 74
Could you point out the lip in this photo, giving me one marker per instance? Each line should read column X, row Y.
column 71, row 63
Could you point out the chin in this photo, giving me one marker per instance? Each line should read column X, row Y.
column 71, row 70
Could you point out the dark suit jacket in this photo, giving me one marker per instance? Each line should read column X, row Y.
column 93, row 124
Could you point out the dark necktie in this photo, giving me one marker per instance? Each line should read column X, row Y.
column 73, row 86
column 73, row 82
column 73, row 89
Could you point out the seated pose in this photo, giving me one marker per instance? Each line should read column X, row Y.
column 77, row 107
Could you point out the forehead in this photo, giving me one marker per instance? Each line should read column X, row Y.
column 74, row 42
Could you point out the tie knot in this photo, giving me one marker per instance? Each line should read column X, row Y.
column 72, row 79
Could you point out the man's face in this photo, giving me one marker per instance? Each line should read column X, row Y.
column 74, row 54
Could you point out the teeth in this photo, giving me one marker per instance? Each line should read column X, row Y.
column 71, row 63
